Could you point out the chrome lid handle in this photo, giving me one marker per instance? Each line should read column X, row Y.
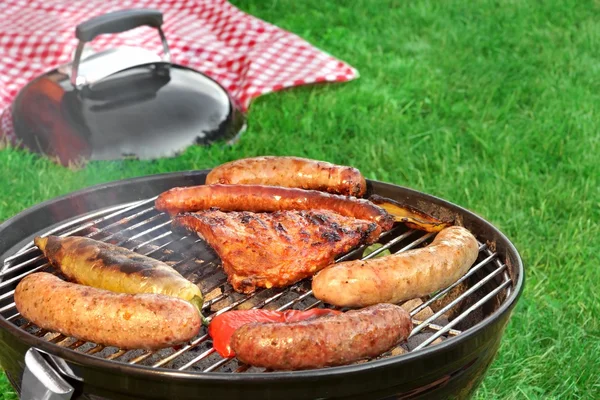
column 41, row 381
column 115, row 22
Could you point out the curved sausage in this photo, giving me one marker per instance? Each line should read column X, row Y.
column 294, row 172
column 260, row 198
column 106, row 266
column 141, row 321
column 327, row 341
column 399, row 277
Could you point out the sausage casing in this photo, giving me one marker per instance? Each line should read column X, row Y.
column 106, row 266
column 294, row 172
column 401, row 276
column 328, row 341
column 261, row 198
column 141, row 321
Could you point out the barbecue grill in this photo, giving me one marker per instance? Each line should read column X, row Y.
column 456, row 335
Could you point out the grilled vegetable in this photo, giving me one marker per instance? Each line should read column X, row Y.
column 106, row 266
column 223, row 326
column 410, row 216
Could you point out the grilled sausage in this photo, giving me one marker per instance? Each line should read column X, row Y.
column 327, row 341
column 141, row 321
column 292, row 172
column 106, row 266
column 260, row 198
column 398, row 277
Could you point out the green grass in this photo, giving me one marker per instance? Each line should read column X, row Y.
column 489, row 104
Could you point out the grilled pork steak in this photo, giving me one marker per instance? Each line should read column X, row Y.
column 276, row 249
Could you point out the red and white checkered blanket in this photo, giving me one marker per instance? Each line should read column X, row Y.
column 246, row 55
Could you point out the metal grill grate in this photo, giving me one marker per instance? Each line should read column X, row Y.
column 140, row 227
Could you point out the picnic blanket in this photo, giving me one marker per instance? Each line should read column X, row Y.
column 247, row 56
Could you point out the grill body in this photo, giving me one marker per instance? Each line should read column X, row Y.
column 452, row 369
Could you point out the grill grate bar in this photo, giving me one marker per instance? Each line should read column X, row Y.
column 416, row 242
column 457, row 300
column 23, row 275
column 209, row 303
column 23, row 264
column 458, row 282
column 97, row 348
column 437, row 327
column 183, row 261
column 116, row 355
column 195, row 360
column 145, row 232
column 77, row 344
column 7, row 307
column 506, row 277
column 7, row 295
column 163, row 235
column 296, row 300
column 164, row 246
column 218, row 364
column 77, row 229
column 141, row 357
column 463, row 315
column 13, row 317
column 132, row 227
column 179, row 352
column 59, row 339
column 388, row 244
column 121, row 207
column 121, row 221
column 361, row 248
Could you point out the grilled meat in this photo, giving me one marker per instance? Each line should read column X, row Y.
column 327, row 341
column 276, row 249
column 293, row 172
column 260, row 198
column 127, row 321
column 398, row 277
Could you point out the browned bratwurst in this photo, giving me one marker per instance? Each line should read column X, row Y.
column 140, row 321
column 260, row 198
column 398, row 277
column 291, row 172
column 322, row 342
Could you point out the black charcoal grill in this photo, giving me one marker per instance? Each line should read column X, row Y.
column 456, row 336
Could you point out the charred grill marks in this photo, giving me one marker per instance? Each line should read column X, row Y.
column 255, row 248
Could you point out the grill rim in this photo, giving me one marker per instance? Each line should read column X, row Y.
column 198, row 177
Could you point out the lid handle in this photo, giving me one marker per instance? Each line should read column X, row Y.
column 115, row 22
column 118, row 21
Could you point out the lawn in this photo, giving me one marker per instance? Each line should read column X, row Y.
column 489, row 104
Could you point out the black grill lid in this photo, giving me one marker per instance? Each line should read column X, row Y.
column 122, row 103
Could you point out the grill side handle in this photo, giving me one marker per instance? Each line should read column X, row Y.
column 42, row 381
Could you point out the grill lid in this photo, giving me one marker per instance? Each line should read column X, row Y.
column 122, row 103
